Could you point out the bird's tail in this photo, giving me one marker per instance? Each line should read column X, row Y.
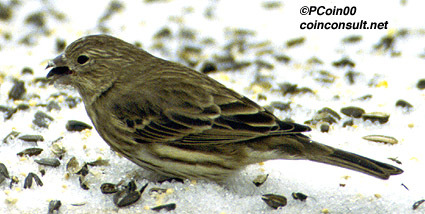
column 326, row 154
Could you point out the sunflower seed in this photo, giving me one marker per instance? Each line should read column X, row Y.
column 274, row 201
column 381, row 139
column 74, row 125
column 124, row 198
column 108, row 188
column 42, row 119
column 353, row 111
column 3, row 171
column 417, row 204
column 31, row 138
column 167, row 207
column 48, row 162
column 12, row 135
column 260, row 179
column 54, row 205
column 30, row 151
column 299, row 196
column 29, row 178
column 376, row 116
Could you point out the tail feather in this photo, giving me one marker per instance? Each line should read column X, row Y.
column 355, row 162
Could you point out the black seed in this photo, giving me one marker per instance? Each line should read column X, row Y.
column 376, row 116
column 13, row 180
column 404, row 104
column 60, row 45
column 23, row 106
column 54, row 205
column 295, row 42
column 9, row 113
column 12, row 135
column 352, row 39
column 27, row 70
column 324, row 127
column 299, row 196
column 28, row 181
column 353, row 111
column 208, row 67
column 417, row 204
column 18, row 90
column 348, row 123
column 330, row 111
column 74, row 125
column 38, row 19
column 42, row 170
column 281, row 105
column 42, row 119
column 48, row 162
column 167, row 207
column 72, row 101
column 421, row 84
column 386, row 43
column 3, row 171
column 351, row 76
column 282, row 58
column 31, row 138
column 83, row 183
column 37, row 179
column 83, row 171
column 30, row 152
column 260, row 179
column 274, row 201
column 108, row 188
column 53, row 105
column 99, row 162
column 163, row 33
column 124, row 198
column 365, row 97
column 344, row 62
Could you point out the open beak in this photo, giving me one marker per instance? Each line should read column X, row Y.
column 59, row 67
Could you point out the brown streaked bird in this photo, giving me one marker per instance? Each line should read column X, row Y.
column 181, row 123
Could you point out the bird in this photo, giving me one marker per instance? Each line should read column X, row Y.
column 181, row 123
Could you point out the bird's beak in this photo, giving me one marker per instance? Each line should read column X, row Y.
column 58, row 66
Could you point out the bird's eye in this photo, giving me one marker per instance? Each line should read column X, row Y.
column 82, row 59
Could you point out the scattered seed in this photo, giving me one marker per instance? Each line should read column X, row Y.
column 54, row 205
column 324, row 127
column 83, row 182
column 281, row 105
column 274, row 201
column 42, row 119
column 29, row 179
column 348, row 123
column 344, row 62
column 365, row 97
column 376, row 116
column 74, row 125
column 260, row 179
column 53, row 105
column 73, row 166
column 42, row 170
column 352, row 39
column 381, row 139
column 108, row 188
column 299, row 196
column 98, row 162
column 124, row 197
column 48, row 162
column 421, row 84
column 9, row 113
column 404, row 104
column 58, row 149
column 353, row 111
column 3, row 171
column 295, row 42
column 17, row 91
column 30, row 152
column 167, row 207
column 386, row 43
column 157, row 190
column 330, row 111
column 31, row 138
column 417, row 204
column 13, row 180
column 12, row 135
column 84, row 170
column 23, row 106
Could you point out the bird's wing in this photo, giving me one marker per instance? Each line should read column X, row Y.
column 189, row 114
